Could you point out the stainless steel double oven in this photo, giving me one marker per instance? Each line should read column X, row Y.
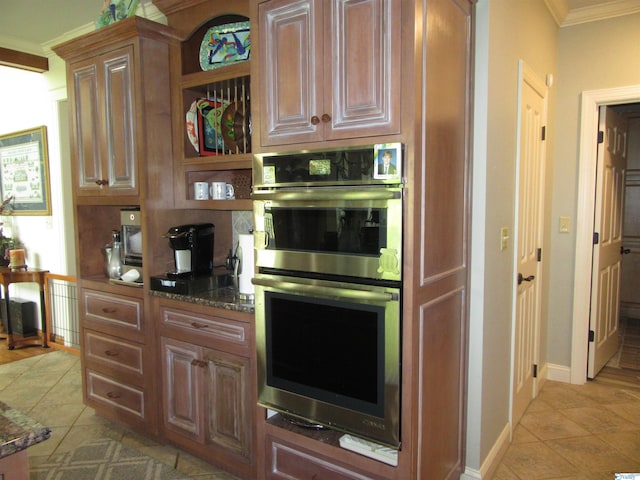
column 328, row 239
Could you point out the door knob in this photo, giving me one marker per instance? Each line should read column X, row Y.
column 624, row 251
column 522, row 278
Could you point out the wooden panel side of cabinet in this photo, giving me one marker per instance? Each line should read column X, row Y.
column 445, row 136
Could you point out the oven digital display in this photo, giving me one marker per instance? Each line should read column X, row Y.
column 320, row 167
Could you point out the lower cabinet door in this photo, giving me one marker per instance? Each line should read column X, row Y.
column 181, row 388
column 229, row 421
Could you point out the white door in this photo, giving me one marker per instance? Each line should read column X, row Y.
column 530, row 199
column 607, row 256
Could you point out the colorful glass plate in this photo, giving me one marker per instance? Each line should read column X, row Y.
column 225, row 44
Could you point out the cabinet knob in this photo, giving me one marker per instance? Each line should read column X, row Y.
column 326, row 118
column 113, row 394
column 102, row 182
column 315, row 120
column 111, row 353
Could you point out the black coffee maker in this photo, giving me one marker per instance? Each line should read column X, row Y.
column 192, row 249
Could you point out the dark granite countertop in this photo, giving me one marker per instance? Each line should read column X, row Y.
column 226, row 298
column 18, row 431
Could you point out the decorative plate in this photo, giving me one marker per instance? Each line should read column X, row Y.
column 235, row 126
column 225, row 44
column 209, row 133
column 116, row 11
column 192, row 125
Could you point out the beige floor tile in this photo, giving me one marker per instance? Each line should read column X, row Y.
column 522, row 435
column 598, row 420
column 56, row 415
column 78, row 435
column 627, row 443
column 536, row 461
column 592, row 454
column 629, row 411
column 551, row 424
column 561, row 396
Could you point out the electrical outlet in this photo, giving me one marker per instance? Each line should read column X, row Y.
column 565, row 224
column 504, row 238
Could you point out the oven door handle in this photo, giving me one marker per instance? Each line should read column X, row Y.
column 318, row 194
column 326, row 291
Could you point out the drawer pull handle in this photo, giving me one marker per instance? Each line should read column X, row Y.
column 198, row 363
column 113, row 395
column 198, row 325
column 111, row 353
column 109, row 310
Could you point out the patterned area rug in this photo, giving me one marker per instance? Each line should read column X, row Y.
column 104, row 460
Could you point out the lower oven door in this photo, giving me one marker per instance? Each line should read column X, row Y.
column 353, row 232
column 329, row 353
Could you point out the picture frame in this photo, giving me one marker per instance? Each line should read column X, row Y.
column 24, row 171
column 387, row 160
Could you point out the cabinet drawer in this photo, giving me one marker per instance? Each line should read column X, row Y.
column 210, row 327
column 113, row 353
column 112, row 310
column 115, row 394
column 285, row 462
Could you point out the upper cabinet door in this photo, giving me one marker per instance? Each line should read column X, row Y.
column 329, row 69
column 362, row 68
column 291, row 70
column 119, row 120
column 104, row 124
column 87, row 126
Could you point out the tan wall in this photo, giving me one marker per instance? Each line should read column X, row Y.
column 591, row 56
column 514, row 30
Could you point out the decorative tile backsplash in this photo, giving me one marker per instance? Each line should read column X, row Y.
column 242, row 222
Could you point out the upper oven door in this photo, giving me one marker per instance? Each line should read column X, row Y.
column 355, row 232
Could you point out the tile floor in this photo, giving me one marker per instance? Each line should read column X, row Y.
column 48, row 388
column 576, row 432
column 569, row 432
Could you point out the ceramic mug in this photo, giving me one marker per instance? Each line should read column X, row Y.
column 222, row 191
column 201, row 190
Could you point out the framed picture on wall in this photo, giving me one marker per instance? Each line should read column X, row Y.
column 24, row 171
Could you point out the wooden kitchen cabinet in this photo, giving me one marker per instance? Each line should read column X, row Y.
column 117, row 80
column 104, row 123
column 119, row 90
column 329, row 70
column 209, row 397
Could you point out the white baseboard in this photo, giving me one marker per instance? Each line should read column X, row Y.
column 493, row 459
column 558, row 373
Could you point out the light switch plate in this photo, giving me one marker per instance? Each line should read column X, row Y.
column 565, row 224
column 504, row 238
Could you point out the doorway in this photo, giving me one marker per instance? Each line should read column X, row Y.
column 591, row 101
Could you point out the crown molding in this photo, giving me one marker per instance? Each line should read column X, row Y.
column 559, row 10
column 566, row 17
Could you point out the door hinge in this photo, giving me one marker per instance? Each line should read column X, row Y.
column 535, row 371
column 544, row 133
column 600, row 136
column 592, row 336
column 539, row 254
column 596, row 238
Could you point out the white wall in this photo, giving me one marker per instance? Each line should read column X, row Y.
column 27, row 103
